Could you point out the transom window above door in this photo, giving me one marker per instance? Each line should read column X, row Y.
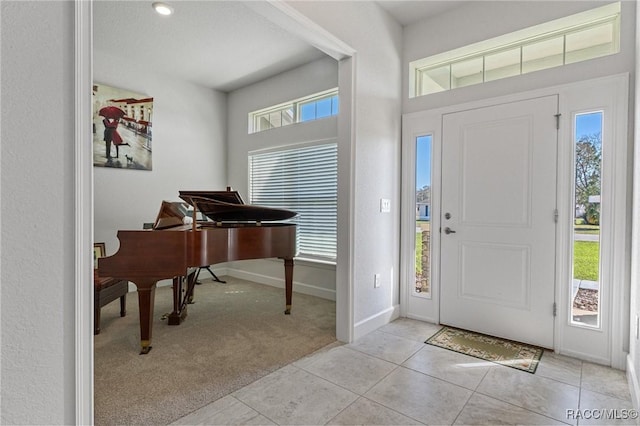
column 580, row 37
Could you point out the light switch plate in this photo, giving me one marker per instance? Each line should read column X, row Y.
column 385, row 205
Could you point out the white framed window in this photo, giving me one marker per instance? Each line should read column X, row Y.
column 423, row 234
column 587, row 190
column 302, row 178
column 580, row 37
column 592, row 226
column 314, row 107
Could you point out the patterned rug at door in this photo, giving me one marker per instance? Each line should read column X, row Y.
column 505, row 352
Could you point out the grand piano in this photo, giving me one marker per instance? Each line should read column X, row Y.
column 209, row 227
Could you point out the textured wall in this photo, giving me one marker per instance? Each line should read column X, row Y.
column 37, row 177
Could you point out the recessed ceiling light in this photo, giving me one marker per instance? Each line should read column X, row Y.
column 162, row 8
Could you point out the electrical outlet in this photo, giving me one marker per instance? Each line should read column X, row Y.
column 376, row 281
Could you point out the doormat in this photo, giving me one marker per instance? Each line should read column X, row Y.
column 505, row 352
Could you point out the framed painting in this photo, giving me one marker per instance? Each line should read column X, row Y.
column 122, row 128
column 99, row 250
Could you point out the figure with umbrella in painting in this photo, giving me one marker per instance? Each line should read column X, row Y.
column 112, row 116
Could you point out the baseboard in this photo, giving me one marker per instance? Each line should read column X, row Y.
column 634, row 387
column 298, row 287
column 168, row 283
column 423, row 319
column 585, row 357
column 376, row 321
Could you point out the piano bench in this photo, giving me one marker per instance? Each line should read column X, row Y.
column 106, row 290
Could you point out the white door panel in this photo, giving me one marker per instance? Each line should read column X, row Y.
column 499, row 197
column 488, row 198
column 510, row 282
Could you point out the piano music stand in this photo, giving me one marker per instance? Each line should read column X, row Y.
column 215, row 277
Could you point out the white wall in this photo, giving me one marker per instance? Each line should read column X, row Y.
column 318, row 280
column 189, row 148
column 37, row 230
column 377, row 38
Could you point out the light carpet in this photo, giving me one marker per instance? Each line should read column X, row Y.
column 506, row 352
column 234, row 334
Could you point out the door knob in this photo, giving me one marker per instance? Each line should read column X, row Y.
column 448, row 231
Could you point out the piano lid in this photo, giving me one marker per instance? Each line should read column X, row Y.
column 228, row 206
column 229, row 196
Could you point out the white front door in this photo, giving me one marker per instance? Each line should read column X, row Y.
column 498, row 224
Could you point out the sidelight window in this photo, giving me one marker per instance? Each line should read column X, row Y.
column 423, row 215
column 586, row 285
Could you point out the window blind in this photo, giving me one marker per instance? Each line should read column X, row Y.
column 304, row 180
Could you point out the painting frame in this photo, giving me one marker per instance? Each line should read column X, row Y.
column 99, row 250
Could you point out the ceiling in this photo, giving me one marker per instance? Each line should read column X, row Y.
column 224, row 45
column 410, row 11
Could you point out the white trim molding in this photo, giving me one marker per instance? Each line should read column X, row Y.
column 345, row 262
column 84, row 213
column 605, row 344
column 298, row 286
column 634, row 386
column 418, row 306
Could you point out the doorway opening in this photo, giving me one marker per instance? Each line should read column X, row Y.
column 590, row 215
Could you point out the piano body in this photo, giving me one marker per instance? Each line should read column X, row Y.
column 174, row 249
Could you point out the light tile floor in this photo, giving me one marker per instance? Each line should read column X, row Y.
column 390, row 377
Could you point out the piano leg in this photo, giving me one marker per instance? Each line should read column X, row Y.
column 146, row 298
column 288, row 282
column 178, row 314
column 181, row 297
